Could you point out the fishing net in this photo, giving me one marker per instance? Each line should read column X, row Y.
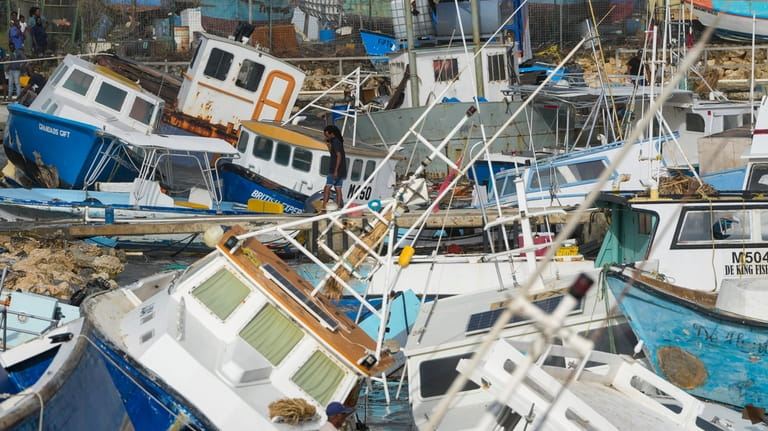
column 291, row 410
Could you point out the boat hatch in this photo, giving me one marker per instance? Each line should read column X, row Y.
column 300, row 297
column 482, row 321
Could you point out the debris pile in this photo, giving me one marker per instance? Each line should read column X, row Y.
column 56, row 267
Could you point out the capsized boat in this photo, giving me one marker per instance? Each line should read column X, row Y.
column 616, row 392
column 237, row 331
column 174, row 177
column 52, row 377
column 691, row 315
column 72, row 122
column 226, row 82
column 707, row 343
column 733, row 20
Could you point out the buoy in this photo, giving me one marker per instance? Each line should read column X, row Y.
column 213, row 235
column 406, row 255
column 375, row 205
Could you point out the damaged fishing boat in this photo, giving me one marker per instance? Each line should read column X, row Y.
column 223, row 343
column 50, row 376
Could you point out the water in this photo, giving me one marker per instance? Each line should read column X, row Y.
column 380, row 416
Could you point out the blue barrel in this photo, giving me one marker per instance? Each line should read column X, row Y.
column 327, row 35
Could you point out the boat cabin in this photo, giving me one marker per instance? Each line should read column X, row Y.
column 249, row 330
column 227, row 82
column 437, row 67
column 82, row 91
column 297, row 158
column 565, row 180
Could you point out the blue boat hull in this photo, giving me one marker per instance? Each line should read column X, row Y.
column 149, row 403
column 240, row 185
column 710, row 354
column 79, row 394
column 45, row 146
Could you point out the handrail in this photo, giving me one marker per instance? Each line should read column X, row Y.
column 5, row 328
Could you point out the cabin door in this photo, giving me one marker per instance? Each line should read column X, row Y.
column 274, row 97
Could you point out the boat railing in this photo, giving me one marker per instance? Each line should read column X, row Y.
column 24, row 318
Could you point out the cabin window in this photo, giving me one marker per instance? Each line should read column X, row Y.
column 764, row 225
column 319, row 377
column 644, row 223
column 731, row 121
column 250, row 75
column 262, row 148
column 142, row 110
column 283, row 154
column 52, row 108
column 497, row 67
column 586, row 171
column 242, row 141
column 758, row 178
column 218, row 64
column 302, row 159
column 221, row 293
column 508, row 188
column 542, row 178
column 370, row 166
column 79, row 82
column 718, row 225
column 437, row 375
column 272, row 334
column 57, row 74
column 694, row 123
column 194, row 56
column 357, row 170
column 111, row 96
column 325, row 163
column 445, row 70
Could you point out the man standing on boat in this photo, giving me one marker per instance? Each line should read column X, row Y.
column 337, row 169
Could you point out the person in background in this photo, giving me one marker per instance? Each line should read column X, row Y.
column 15, row 67
column 3, row 72
column 636, row 69
column 15, row 36
column 337, row 169
column 35, row 12
column 337, row 414
column 39, row 38
column 36, row 83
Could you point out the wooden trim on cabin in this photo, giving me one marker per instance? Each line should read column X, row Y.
column 705, row 299
column 348, row 340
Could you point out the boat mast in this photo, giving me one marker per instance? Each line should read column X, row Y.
column 480, row 88
column 414, row 75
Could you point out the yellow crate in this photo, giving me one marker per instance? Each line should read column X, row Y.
column 568, row 251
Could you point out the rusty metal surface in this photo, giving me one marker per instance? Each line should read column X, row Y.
column 681, row 368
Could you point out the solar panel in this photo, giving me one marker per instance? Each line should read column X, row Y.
column 481, row 322
column 308, row 303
